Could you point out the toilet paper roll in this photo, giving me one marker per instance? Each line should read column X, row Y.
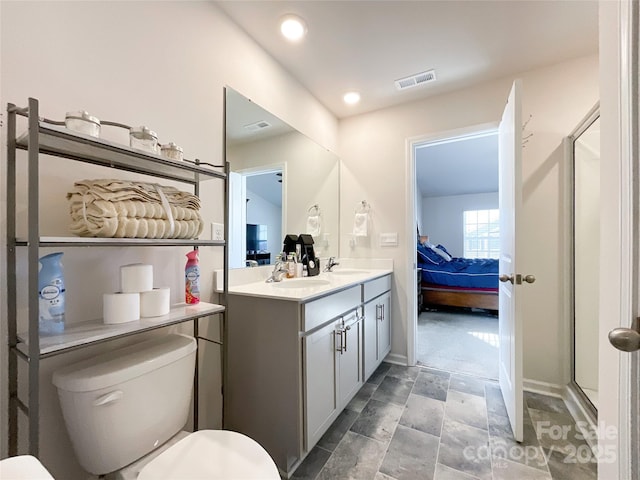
column 136, row 278
column 120, row 307
column 155, row 303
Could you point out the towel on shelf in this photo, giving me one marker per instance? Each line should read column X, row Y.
column 361, row 225
column 125, row 209
column 314, row 225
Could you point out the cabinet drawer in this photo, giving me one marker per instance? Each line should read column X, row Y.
column 324, row 309
column 376, row 287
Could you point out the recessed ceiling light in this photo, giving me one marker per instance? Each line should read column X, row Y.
column 351, row 98
column 293, row 27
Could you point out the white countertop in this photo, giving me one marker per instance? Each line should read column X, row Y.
column 251, row 281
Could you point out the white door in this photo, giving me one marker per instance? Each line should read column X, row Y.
column 237, row 220
column 510, row 318
column 619, row 404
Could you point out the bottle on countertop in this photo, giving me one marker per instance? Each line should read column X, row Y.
column 192, row 279
column 51, row 293
column 291, row 266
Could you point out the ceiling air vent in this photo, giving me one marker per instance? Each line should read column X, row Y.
column 257, row 126
column 416, row 80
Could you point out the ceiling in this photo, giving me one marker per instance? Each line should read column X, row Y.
column 241, row 112
column 367, row 45
column 267, row 186
column 459, row 167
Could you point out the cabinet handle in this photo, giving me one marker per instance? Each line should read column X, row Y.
column 340, row 331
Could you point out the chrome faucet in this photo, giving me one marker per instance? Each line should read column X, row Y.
column 330, row 264
column 279, row 270
column 251, row 263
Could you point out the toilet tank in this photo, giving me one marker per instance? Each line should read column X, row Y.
column 121, row 405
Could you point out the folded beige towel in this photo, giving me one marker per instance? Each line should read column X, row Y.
column 123, row 209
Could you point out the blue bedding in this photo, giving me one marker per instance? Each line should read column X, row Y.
column 457, row 272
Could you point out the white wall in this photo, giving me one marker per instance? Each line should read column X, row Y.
column 310, row 177
column 263, row 212
column 160, row 64
column 443, row 218
column 374, row 168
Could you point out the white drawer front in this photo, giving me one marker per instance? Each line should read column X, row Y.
column 376, row 287
column 324, row 309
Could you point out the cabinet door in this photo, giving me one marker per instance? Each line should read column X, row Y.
column 384, row 326
column 320, row 381
column 350, row 357
column 370, row 327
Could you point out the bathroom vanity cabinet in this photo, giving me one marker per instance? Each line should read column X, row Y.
column 294, row 364
column 45, row 138
column 377, row 331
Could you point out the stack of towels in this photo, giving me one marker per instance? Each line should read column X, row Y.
column 126, row 209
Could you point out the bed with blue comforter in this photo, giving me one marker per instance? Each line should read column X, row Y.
column 455, row 281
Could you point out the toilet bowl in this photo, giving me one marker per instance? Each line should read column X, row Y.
column 124, row 412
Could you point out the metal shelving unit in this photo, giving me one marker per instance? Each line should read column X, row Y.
column 44, row 138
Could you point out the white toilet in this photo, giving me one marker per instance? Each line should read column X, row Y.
column 124, row 412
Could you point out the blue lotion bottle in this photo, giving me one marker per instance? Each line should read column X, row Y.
column 51, row 294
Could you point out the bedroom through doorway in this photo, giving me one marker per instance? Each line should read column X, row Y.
column 457, row 251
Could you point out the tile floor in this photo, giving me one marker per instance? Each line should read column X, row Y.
column 420, row 423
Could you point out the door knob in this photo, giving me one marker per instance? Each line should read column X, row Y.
column 506, row 278
column 529, row 278
column 625, row 339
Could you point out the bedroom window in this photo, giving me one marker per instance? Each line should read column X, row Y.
column 482, row 233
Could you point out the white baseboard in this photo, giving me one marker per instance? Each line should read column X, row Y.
column 544, row 388
column 585, row 420
column 397, row 359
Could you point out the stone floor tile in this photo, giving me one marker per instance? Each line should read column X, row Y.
column 466, row 408
column 466, row 449
column 356, row 457
column 338, row 428
column 411, row 455
column 431, row 385
column 358, row 402
column 393, row 390
column 378, row 420
column 467, row 384
column 311, row 466
column 424, row 414
column 545, row 403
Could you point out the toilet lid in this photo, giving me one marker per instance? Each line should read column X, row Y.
column 212, row 454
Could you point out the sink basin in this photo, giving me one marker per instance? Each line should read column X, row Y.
column 302, row 283
column 349, row 271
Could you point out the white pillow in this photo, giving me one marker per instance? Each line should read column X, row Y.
column 441, row 252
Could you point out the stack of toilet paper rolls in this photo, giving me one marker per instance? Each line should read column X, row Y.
column 137, row 298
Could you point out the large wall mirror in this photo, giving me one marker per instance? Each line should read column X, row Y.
column 586, row 256
column 280, row 182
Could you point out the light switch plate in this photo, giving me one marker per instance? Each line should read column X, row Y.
column 389, row 239
column 217, row 231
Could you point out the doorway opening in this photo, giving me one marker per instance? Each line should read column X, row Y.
column 458, row 246
column 255, row 223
